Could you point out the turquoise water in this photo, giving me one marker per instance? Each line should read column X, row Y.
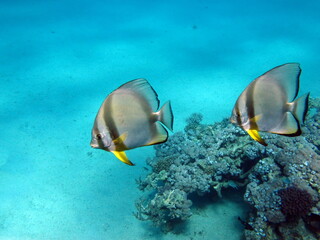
column 59, row 60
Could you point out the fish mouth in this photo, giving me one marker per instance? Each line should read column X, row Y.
column 232, row 120
column 94, row 145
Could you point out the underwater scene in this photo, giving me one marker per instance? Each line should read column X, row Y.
column 160, row 120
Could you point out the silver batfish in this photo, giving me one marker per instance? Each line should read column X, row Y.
column 269, row 104
column 129, row 118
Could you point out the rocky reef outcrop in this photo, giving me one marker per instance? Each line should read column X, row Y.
column 281, row 181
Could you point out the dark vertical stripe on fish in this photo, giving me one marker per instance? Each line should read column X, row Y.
column 238, row 114
column 250, row 107
column 108, row 115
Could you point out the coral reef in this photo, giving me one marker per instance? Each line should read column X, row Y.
column 281, row 180
column 166, row 207
column 295, row 202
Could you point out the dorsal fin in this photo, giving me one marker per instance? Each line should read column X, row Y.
column 144, row 89
column 286, row 76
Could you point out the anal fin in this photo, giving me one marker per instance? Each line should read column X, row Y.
column 289, row 126
column 160, row 135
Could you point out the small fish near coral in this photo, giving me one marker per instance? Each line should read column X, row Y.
column 269, row 104
column 129, row 118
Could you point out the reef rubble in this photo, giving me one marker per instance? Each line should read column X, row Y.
column 281, row 181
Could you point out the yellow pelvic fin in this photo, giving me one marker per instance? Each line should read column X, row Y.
column 122, row 157
column 255, row 135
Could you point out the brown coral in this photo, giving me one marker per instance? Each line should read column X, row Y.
column 295, row 202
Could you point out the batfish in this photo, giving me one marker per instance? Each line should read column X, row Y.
column 269, row 104
column 129, row 118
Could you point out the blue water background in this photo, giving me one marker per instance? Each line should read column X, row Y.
column 58, row 61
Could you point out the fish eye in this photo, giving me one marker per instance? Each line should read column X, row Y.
column 98, row 136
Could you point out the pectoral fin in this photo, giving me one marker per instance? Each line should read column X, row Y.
column 255, row 135
column 256, row 118
column 120, row 140
column 122, row 157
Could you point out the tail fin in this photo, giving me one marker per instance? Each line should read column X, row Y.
column 166, row 116
column 300, row 108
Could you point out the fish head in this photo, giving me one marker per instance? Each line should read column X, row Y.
column 235, row 116
column 100, row 138
column 240, row 117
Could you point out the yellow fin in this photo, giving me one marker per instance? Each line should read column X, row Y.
column 255, row 135
column 121, row 138
column 256, row 118
column 122, row 157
